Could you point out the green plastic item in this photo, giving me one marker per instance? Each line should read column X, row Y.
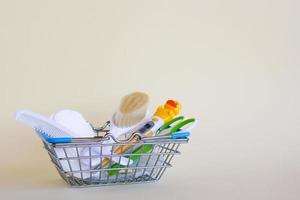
column 140, row 150
column 181, row 124
column 168, row 124
column 116, row 171
column 172, row 127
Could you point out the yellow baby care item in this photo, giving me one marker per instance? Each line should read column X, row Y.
column 164, row 114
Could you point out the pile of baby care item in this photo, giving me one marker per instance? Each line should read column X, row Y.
column 131, row 118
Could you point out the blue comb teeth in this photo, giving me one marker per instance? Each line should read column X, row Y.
column 46, row 137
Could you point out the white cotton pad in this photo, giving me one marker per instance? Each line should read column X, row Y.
column 75, row 122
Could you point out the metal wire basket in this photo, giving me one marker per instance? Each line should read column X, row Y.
column 79, row 162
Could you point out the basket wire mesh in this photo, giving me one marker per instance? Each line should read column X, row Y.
column 79, row 162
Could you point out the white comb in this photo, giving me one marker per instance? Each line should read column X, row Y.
column 42, row 124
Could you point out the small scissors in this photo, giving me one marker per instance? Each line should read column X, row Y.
column 176, row 126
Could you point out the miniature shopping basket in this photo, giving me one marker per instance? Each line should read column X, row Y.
column 80, row 162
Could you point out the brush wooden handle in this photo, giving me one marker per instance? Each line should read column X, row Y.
column 123, row 148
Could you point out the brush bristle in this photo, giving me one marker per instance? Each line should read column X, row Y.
column 132, row 110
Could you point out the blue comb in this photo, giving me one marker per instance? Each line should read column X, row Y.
column 49, row 139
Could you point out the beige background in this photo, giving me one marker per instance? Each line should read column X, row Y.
column 233, row 64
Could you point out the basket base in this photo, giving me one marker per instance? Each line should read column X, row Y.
column 79, row 183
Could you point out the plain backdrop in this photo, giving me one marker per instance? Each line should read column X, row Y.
column 233, row 64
